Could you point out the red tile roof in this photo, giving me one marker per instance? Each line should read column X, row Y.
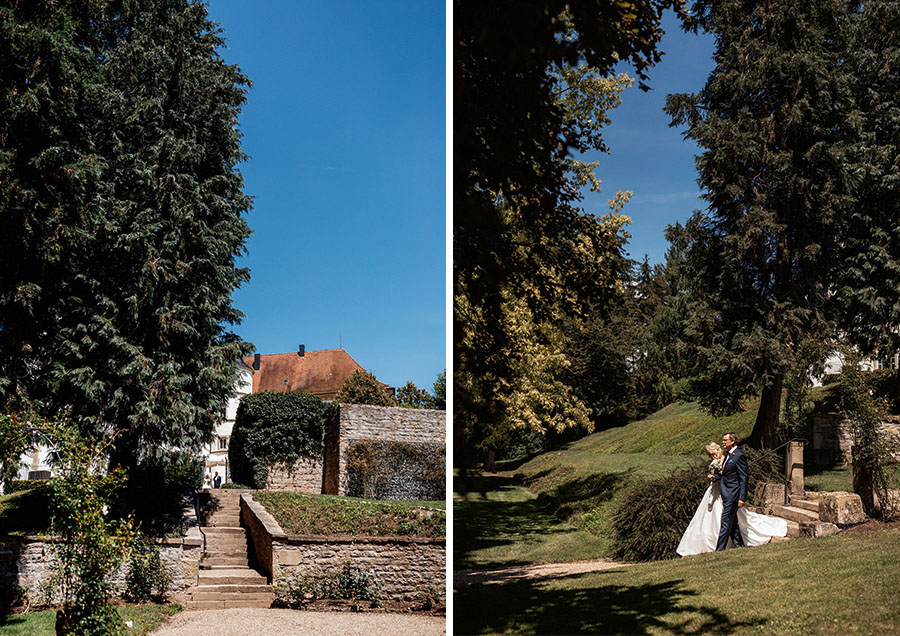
column 318, row 372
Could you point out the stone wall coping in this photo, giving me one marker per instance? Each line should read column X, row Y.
column 267, row 520
column 297, row 539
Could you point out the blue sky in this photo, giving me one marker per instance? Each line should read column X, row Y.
column 345, row 127
column 646, row 156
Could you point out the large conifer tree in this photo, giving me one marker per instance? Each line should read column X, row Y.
column 770, row 119
column 122, row 216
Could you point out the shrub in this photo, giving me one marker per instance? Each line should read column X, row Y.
column 379, row 469
column 276, row 428
column 147, row 579
column 431, row 595
column 233, row 485
column 353, row 581
column 654, row 514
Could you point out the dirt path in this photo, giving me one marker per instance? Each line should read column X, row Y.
column 540, row 571
column 284, row 622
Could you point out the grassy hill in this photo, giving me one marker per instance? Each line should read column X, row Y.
column 577, row 488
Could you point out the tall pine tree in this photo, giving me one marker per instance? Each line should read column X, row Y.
column 773, row 170
column 122, row 214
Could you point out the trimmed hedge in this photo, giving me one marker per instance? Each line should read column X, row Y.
column 653, row 515
column 379, row 469
column 272, row 428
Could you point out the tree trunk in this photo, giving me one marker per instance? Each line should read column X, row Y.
column 489, row 458
column 763, row 435
column 863, row 483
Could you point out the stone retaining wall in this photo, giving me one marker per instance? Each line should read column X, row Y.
column 832, row 440
column 28, row 564
column 358, row 421
column 305, row 475
column 405, row 565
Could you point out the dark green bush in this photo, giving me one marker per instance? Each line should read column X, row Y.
column 685, row 390
column 147, row 579
column 233, row 485
column 653, row 515
column 276, row 428
column 379, row 469
column 158, row 489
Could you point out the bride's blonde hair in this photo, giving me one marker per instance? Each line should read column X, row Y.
column 714, row 450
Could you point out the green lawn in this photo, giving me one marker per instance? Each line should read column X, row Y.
column 499, row 523
column 844, row 584
column 146, row 618
column 330, row 515
column 828, row 478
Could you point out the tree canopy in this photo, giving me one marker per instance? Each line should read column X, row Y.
column 363, row 388
column 122, row 210
column 771, row 120
column 531, row 87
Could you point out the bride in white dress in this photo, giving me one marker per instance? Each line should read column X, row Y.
column 703, row 530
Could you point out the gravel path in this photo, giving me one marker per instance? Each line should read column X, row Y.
column 284, row 622
column 543, row 571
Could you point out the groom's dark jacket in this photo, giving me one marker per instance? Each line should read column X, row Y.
column 733, row 480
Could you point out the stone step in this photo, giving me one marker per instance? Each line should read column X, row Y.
column 818, row 529
column 795, row 514
column 224, row 531
column 224, row 554
column 211, row 605
column 201, row 594
column 227, row 547
column 806, row 504
column 237, row 576
column 223, row 523
column 224, row 566
column 246, row 588
column 793, row 530
column 234, row 560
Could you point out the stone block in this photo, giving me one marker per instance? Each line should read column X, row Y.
column 766, row 494
column 818, row 529
column 841, row 508
column 289, row 557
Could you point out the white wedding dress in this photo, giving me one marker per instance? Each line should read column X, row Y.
column 703, row 531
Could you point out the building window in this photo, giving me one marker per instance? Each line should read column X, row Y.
column 223, row 443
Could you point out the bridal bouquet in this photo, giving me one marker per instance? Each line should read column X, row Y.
column 716, row 466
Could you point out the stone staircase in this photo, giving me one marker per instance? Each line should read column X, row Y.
column 811, row 514
column 225, row 578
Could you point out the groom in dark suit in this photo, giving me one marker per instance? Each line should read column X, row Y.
column 733, row 488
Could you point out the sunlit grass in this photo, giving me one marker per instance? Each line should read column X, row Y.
column 144, row 618
column 300, row 513
column 844, row 584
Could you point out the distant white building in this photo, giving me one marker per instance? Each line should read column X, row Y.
column 215, row 454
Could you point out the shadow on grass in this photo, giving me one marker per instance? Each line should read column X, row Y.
column 483, row 521
column 562, row 607
column 583, row 494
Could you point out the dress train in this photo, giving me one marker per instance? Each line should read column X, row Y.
column 703, row 530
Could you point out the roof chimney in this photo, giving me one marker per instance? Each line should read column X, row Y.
column 301, row 351
column 256, row 362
